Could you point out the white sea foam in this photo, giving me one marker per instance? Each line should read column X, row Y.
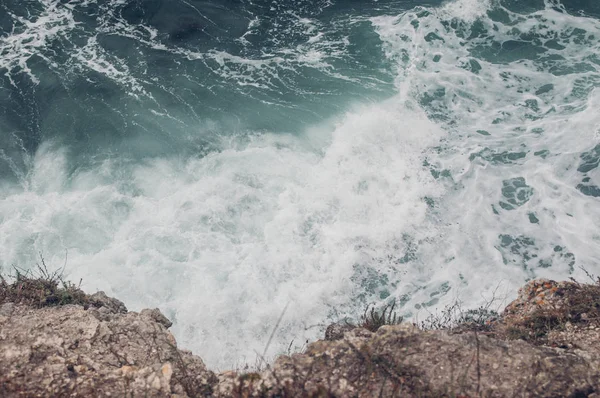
column 512, row 118
column 388, row 204
column 465, row 10
column 30, row 35
column 223, row 243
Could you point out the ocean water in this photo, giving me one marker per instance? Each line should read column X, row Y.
column 226, row 160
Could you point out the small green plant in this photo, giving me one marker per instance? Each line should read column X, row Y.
column 373, row 320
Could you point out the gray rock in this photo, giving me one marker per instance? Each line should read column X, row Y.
column 7, row 309
column 157, row 317
column 336, row 331
column 100, row 299
column 69, row 351
column 404, row 361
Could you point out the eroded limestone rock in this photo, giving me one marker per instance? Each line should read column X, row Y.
column 70, row 351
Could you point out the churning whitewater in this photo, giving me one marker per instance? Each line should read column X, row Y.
column 225, row 160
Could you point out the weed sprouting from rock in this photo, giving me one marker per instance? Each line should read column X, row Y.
column 373, row 320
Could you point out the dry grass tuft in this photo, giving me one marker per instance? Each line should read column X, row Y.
column 455, row 318
column 41, row 288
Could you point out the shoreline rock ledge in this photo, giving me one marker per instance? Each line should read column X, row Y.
column 64, row 343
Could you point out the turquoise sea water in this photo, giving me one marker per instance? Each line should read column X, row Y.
column 223, row 159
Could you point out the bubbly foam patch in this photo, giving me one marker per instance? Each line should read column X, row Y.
column 223, row 243
column 518, row 96
column 466, row 10
column 29, row 35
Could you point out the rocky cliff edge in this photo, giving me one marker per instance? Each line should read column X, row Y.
column 57, row 341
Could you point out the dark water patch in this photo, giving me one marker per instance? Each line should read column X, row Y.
column 508, row 51
column 430, row 202
column 517, row 249
column 523, row 7
column 533, row 218
column 578, row 36
column 546, row 88
column 589, row 190
column 589, row 160
column 6, row 22
column 582, row 7
column 594, row 58
column 430, row 97
column 20, row 113
column 582, row 87
column 435, row 105
column 441, row 173
column 554, row 45
column 491, row 156
column 435, row 296
column 499, row 15
column 432, row 36
column 537, row 130
column 374, row 282
column 580, row 67
column 472, row 66
column 194, row 24
column 563, row 255
column 532, row 104
column 516, row 193
column 523, row 251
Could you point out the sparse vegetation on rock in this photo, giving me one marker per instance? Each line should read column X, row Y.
column 57, row 341
column 40, row 288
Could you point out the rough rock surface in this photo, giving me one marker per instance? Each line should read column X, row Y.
column 556, row 314
column 545, row 344
column 101, row 351
column 403, row 361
